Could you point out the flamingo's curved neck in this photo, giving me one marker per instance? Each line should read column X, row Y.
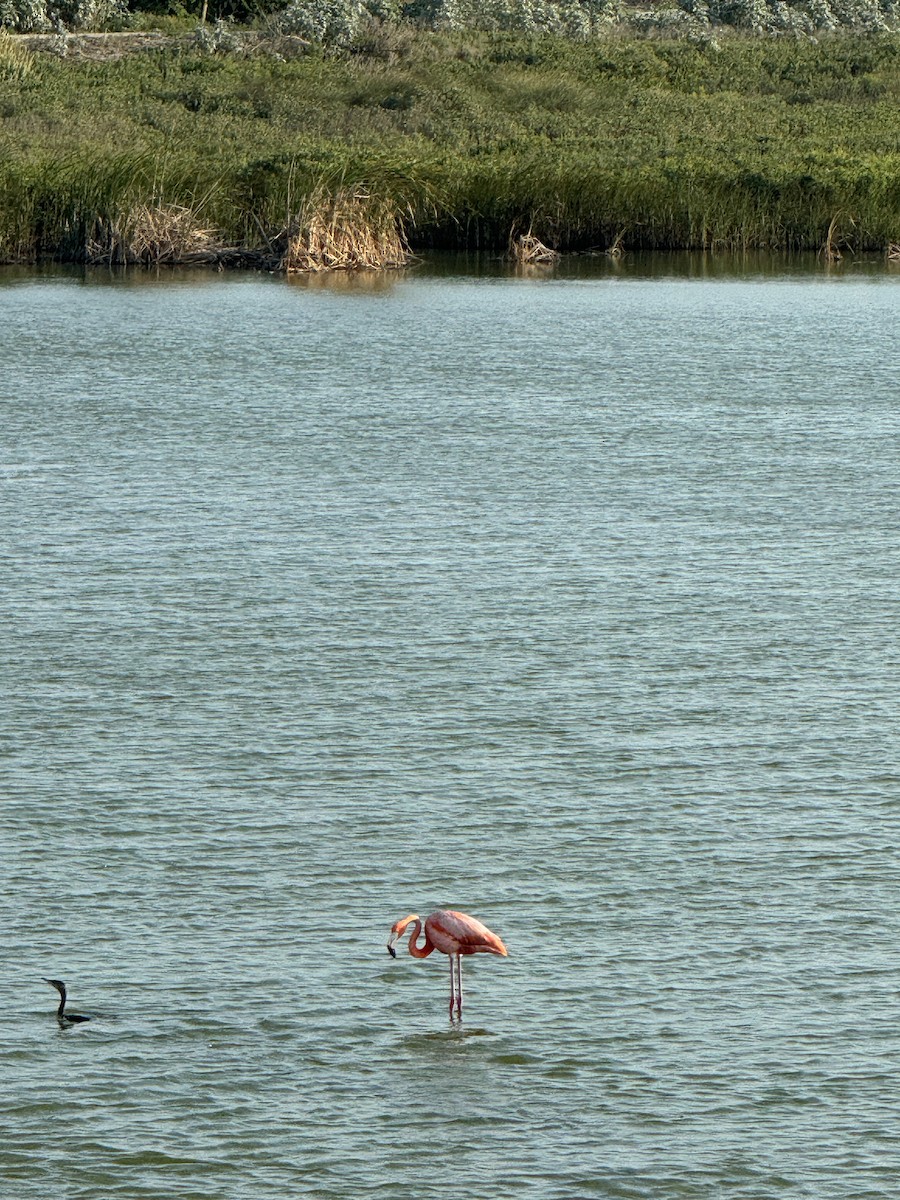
column 426, row 949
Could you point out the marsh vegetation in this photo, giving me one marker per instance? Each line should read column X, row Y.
column 247, row 149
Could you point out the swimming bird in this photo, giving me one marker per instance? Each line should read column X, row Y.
column 452, row 933
column 62, row 1016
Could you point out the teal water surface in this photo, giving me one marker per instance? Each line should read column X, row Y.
column 568, row 602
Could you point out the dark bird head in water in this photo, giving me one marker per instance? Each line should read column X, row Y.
column 59, row 985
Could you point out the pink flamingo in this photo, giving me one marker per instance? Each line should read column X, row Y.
column 452, row 933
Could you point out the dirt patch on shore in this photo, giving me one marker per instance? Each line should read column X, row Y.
column 106, row 47
column 99, row 47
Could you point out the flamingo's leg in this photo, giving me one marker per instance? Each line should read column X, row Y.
column 452, row 986
column 459, row 986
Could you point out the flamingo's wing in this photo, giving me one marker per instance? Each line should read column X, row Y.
column 462, row 934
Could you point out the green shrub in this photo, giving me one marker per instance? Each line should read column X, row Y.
column 43, row 16
column 25, row 16
column 332, row 22
column 338, row 22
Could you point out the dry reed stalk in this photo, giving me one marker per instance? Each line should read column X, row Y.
column 154, row 234
column 830, row 250
column 893, row 252
column 616, row 250
column 529, row 251
column 16, row 60
column 347, row 230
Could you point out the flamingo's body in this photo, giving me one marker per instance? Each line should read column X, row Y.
column 454, row 934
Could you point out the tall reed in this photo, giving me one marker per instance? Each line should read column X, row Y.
column 347, row 230
column 16, row 60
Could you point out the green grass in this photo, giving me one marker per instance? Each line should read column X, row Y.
column 748, row 143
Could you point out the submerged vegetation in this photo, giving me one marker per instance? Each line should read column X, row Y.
column 277, row 151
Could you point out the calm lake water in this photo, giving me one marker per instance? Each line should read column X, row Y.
column 569, row 602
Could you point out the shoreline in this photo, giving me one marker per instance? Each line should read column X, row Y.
column 171, row 153
column 683, row 265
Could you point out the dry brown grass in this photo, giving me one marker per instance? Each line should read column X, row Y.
column 152, row 235
column 830, row 250
column 346, row 230
column 529, row 251
column 16, row 60
column 616, row 248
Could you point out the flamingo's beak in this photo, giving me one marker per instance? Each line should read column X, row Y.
column 390, row 946
column 391, row 951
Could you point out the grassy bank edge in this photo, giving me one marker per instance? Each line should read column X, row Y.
column 337, row 205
